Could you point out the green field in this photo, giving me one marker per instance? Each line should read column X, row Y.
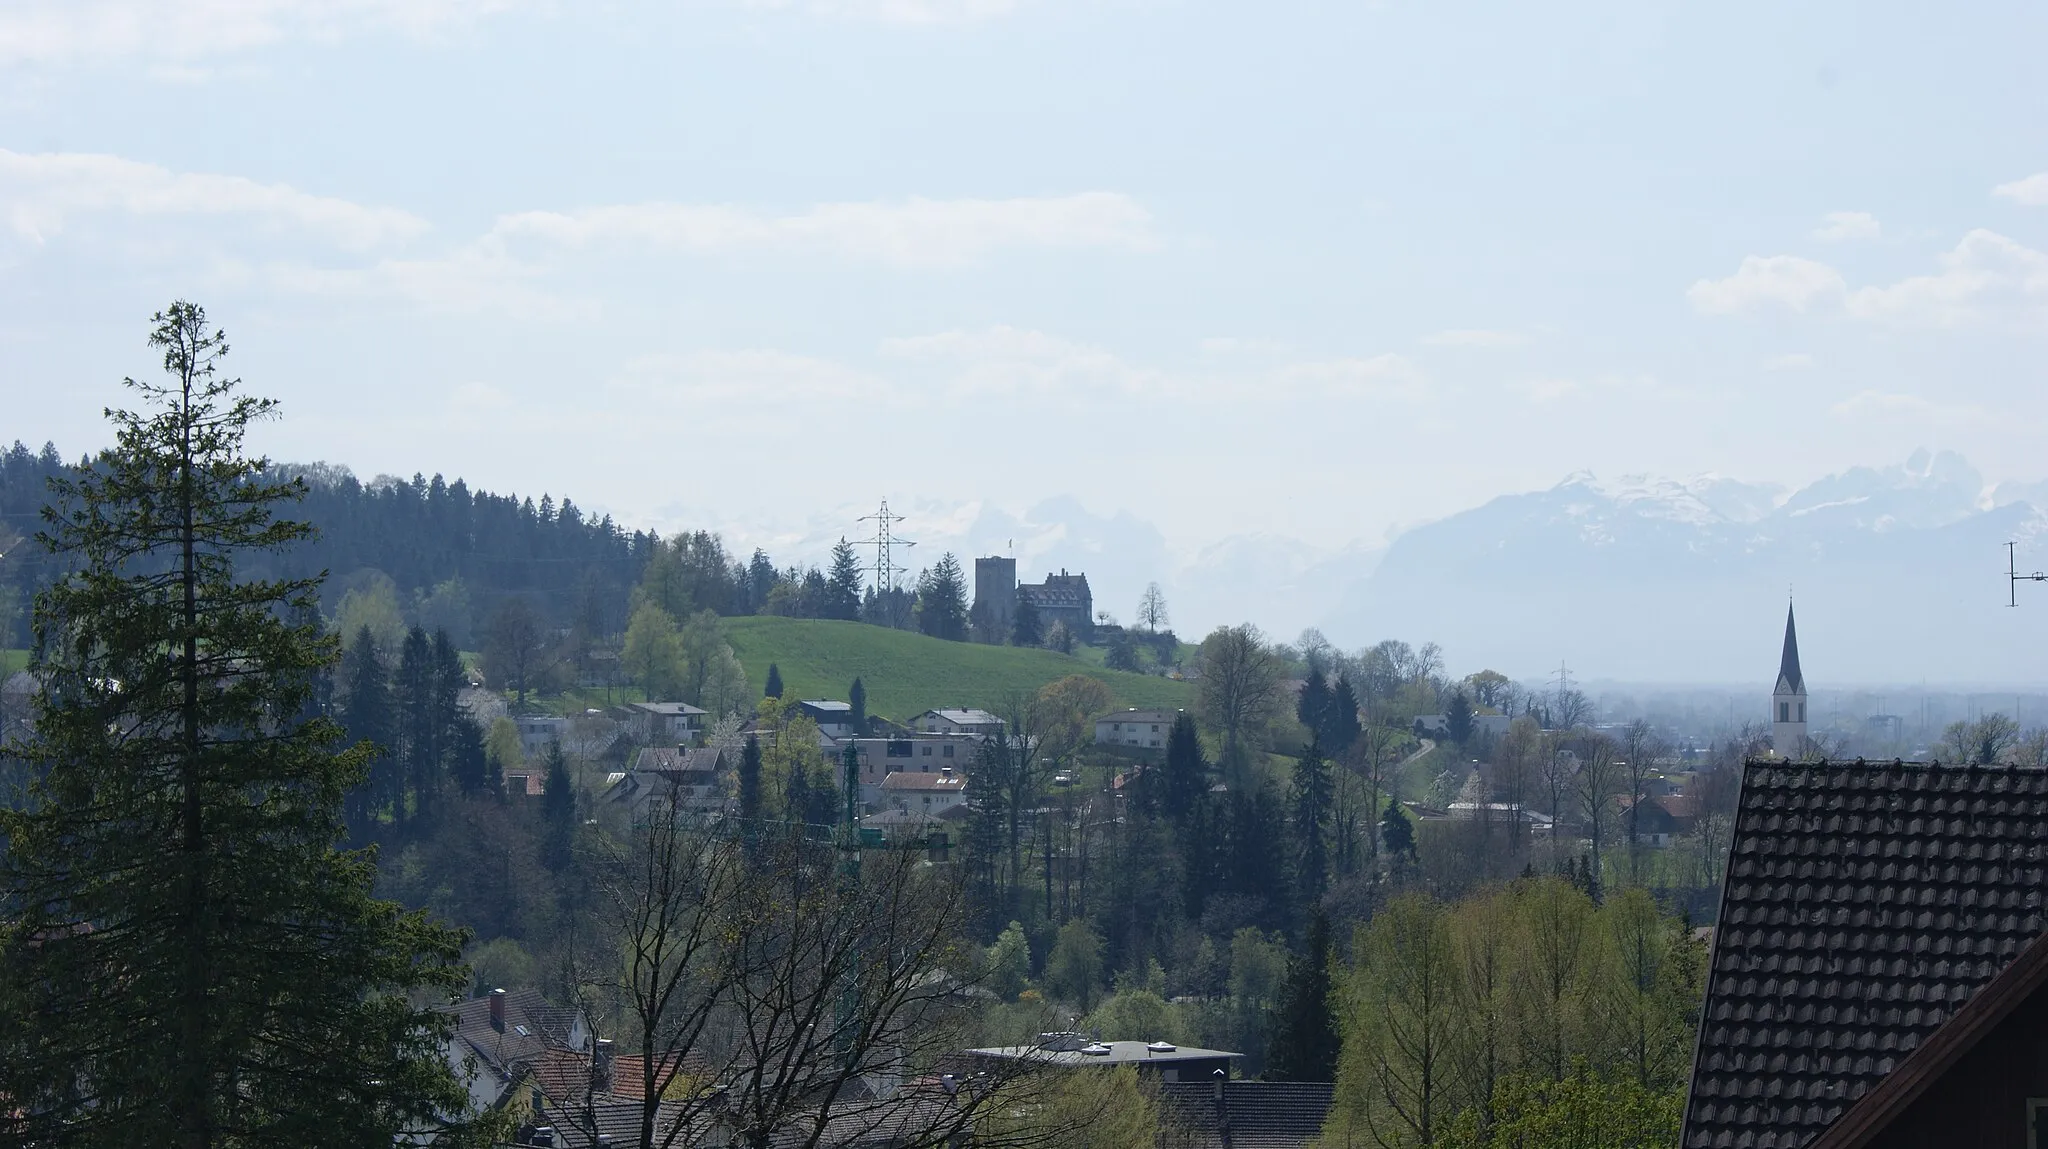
column 907, row 674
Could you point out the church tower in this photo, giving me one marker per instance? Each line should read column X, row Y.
column 1788, row 698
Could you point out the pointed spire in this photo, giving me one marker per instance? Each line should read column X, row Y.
column 1790, row 681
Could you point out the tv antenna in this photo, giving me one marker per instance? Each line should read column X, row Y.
column 2014, row 577
column 885, row 543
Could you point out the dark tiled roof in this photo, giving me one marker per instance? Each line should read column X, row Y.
column 1254, row 1114
column 1864, row 904
column 578, row 1126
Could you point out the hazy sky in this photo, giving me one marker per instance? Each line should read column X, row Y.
column 1316, row 269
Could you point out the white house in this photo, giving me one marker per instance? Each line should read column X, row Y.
column 1145, row 729
column 957, row 721
column 925, row 793
column 917, row 754
column 536, row 731
column 673, row 722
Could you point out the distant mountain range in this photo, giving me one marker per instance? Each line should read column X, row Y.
column 1898, row 571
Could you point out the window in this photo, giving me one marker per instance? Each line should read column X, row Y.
column 1784, row 712
column 898, row 748
column 1802, row 712
column 1117, row 727
column 924, row 767
column 1155, row 728
column 927, row 751
column 949, row 751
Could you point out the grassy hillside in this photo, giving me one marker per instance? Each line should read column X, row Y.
column 906, row 674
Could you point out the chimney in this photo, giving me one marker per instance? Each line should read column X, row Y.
column 498, row 1010
column 601, row 1066
column 1217, row 1092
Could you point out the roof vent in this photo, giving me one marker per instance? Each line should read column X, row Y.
column 1160, row 1047
column 1095, row 1049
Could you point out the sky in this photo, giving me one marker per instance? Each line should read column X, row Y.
column 1313, row 270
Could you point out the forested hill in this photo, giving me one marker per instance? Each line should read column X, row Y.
column 421, row 533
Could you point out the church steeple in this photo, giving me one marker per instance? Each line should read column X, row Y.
column 1790, row 681
column 1788, row 698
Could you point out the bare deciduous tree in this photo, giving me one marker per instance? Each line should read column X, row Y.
column 1240, row 687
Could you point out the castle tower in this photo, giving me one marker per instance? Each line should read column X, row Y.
column 1788, row 698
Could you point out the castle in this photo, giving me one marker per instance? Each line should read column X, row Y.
column 1061, row 597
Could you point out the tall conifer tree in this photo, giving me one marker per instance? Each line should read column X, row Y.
column 191, row 962
column 1305, row 1043
column 842, row 586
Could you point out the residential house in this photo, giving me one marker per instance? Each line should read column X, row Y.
column 658, row 722
column 917, row 754
column 1144, row 729
column 1878, row 978
column 500, row 1037
column 693, row 776
column 1537, row 821
column 1437, row 725
column 958, row 721
column 1159, row 1060
column 834, row 719
column 924, row 793
column 523, row 784
column 537, row 731
column 1223, row 1114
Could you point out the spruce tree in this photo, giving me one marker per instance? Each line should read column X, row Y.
column 190, row 961
column 774, row 689
column 1024, row 627
column 1397, row 831
column 1186, row 773
column 419, row 729
column 367, row 719
column 557, row 811
column 750, row 783
column 842, row 587
column 857, row 698
column 1313, row 706
column 1340, row 717
column 1312, row 797
column 1458, row 718
column 1305, row 1042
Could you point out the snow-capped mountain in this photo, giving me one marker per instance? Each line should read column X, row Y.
column 1898, row 572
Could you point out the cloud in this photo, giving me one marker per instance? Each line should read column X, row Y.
column 914, row 233
column 1379, row 377
column 1230, row 345
column 1842, row 226
column 1005, row 359
column 40, row 193
column 899, row 11
column 1878, row 406
column 773, row 378
column 1987, row 277
column 1781, row 280
column 1796, row 361
column 1016, row 360
column 1475, row 337
column 477, row 278
column 2029, row 192
column 71, row 31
